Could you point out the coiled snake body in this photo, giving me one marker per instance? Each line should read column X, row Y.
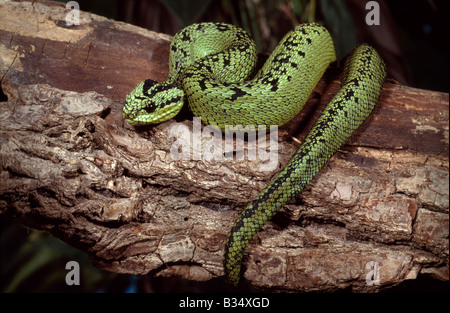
column 212, row 66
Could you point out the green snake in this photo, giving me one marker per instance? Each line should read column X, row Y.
column 212, row 68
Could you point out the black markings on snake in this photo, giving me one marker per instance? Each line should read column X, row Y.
column 237, row 93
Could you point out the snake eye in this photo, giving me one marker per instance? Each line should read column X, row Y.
column 150, row 107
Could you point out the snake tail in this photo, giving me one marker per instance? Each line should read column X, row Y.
column 361, row 83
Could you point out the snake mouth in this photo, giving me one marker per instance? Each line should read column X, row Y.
column 135, row 123
column 142, row 119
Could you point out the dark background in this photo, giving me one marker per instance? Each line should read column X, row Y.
column 412, row 37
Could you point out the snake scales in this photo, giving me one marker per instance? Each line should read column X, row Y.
column 212, row 65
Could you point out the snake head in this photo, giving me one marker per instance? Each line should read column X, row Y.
column 152, row 103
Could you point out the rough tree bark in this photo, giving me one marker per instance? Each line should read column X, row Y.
column 70, row 165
